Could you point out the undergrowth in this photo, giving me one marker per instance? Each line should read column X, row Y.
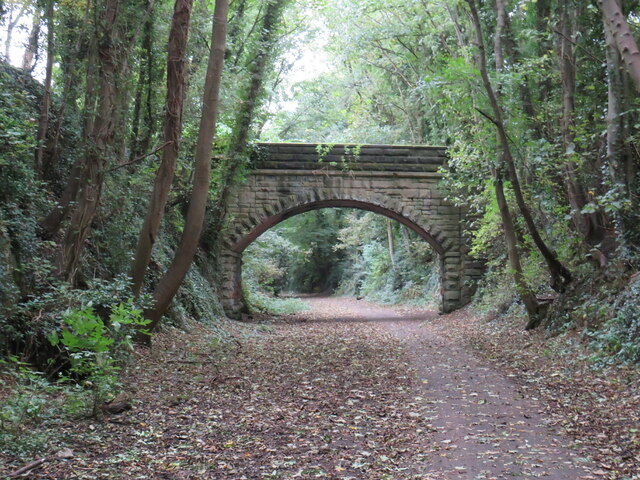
column 259, row 301
column 605, row 317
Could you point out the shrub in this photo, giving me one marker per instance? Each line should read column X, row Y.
column 25, row 405
column 97, row 351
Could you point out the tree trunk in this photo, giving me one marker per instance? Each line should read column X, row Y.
column 11, row 24
column 529, row 300
column 560, row 275
column 50, row 226
column 500, row 35
column 615, row 106
column 567, row 61
column 392, row 253
column 547, row 83
column 31, row 49
column 257, row 70
column 176, row 81
column 235, row 27
column 135, row 120
column 627, row 46
column 141, row 138
column 69, row 94
column 505, row 42
column 590, row 226
column 98, row 142
column 171, row 280
column 43, row 121
column 407, row 236
column 242, row 43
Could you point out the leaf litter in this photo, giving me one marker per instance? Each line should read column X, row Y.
column 348, row 390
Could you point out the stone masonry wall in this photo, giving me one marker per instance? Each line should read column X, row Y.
column 398, row 181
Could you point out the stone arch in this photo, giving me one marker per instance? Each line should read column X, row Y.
column 270, row 216
column 399, row 181
column 272, row 213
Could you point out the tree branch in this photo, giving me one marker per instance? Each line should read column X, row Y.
column 592, row 55
column 138, row 159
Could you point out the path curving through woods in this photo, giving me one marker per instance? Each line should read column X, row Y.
column 479, row 423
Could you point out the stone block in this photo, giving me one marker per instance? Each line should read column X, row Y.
column 473, row 272
column 451, row 295
column 448, row 210
column 450, row 285
column 452, row 268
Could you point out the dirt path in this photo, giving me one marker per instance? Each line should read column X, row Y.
column 348, row 390
column 484, row 424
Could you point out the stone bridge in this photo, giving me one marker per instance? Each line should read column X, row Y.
column 399, row 181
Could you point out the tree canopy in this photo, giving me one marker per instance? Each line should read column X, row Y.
column 537, row 102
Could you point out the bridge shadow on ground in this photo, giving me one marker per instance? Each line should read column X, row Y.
column 359, row 312
column 353, row 319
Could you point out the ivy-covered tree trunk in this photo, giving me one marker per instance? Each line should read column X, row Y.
column 528, row 298
column 560, row 275
column 235, row 27
column 172, row 279
column 31, row 49
column 143, row 121
column 43, row 121
column 505, row 44
column 176, row 82
column 70, row 60
column 51, row 224
column 587, row 224
column 246, row 115
column 98, row 145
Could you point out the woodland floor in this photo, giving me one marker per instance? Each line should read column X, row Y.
column 353, row 390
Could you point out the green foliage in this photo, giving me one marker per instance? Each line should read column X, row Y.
column 399, row 71
column 404, row 72
column 96, row 352
column 618, row 339
column 495, row 294
column 83, row 331
column 258, row 301
column 27, row 405
column 339, row 250
column 368, row 268
column 266, row 264
column 20, row 190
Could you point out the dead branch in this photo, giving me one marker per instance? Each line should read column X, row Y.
column 140, row 158
column 29, row 466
